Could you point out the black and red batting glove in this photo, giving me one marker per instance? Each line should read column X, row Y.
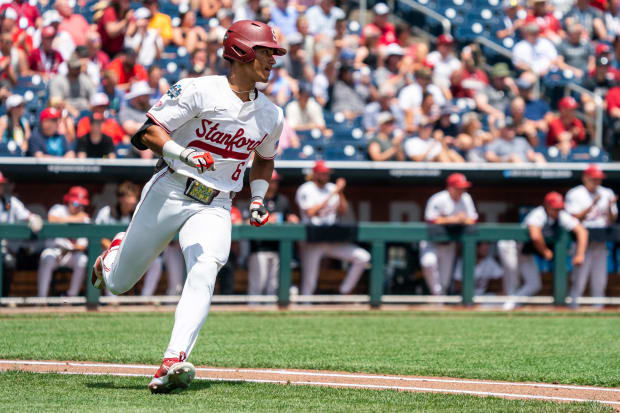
column 258, row 213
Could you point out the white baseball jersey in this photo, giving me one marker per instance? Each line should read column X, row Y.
column 310, row 194
column 105, row 216
column 12, row 210
column 204, row 113
column 442, row 205
column 62, row 211
column 579, row 199
column 538, row 218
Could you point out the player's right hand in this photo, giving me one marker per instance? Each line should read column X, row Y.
column 201, row 160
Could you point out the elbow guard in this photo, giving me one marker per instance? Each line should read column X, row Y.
column 136, row 139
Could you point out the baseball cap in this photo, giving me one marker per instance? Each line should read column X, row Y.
column 567, row 102
column 457, row 180
column 49, row 113
column 320, row 167
column 523, row 83
column 10, row 13
column 99, row 99
column 77, row 194
column 602, row 61
column 381, row 9
column 74, row 62
column 510, row 3
column 50, row 17
column 507, row 122
column 2, row 178
column 445, row 39
column 593, row 171
column 129, row 51
column 14, row 101
column 140, row 88
column 500, row 70
column 384, row 117
column 275, row 176
column 532, row 28
column 394, row 50
column 602, row 48
column 142, row 13
column 48, row 31
column 554, row 200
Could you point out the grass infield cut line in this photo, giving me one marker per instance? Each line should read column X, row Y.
column 362, row 386
column 318, row 374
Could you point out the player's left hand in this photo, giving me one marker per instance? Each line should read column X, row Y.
column 258, row 213
column 578, row 259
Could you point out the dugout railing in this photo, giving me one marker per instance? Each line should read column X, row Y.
column 378, row 235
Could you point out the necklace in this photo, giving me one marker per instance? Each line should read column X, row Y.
column 251, row 93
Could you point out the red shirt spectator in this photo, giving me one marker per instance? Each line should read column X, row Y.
column 387, row 29
column 613, row 99
column 113, row 25
column 72, row 23
column 127, row 69
column 547, row 22
column 45, row 60
column 23, row 9
column 566, row 122
column 109, row 127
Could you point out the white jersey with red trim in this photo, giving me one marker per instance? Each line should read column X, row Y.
column 204, row 113
column 441, row 204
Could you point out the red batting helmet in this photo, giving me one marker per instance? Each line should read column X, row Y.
column 242, row 36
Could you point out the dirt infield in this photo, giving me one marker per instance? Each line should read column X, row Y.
column 539, row 391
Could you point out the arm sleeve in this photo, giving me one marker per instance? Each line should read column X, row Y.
column 535, row 218
column 103, row 216
column 432, row 210
column 568, row 221
column 269, row 147
column 571, row 203
column 21, row 212
column 177, row 106
column 470, row 207
column 81, row 144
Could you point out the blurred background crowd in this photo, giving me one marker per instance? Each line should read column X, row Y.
column 77, row 77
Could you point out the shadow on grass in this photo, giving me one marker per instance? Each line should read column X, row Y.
column 197, row 385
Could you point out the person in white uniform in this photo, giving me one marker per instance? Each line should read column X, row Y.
column 321, row 203
column 65, row 252
column 206, row 129
column 595, row 206
column 12, row 210
column 541, row 222
column 452, row 206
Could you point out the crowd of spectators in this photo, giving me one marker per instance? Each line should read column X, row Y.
column 76, row 78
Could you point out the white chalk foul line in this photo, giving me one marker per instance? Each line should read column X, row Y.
column 321, row 374
column 363, row 386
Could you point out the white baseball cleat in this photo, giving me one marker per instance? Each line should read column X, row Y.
column 174, row 373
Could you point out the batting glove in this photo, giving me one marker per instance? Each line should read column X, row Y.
column 201, row 160
column 258, row 213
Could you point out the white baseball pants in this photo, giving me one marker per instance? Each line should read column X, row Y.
column 437, row 261
column 518, row 265
column 204, row 236
column 311, row 254
column 594, row 267
column 52, row 258
column 263, row 269
column 172, row 257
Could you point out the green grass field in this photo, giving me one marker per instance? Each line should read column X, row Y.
column 565, row 348
column 56, row 393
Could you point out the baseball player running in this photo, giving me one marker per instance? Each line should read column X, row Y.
column 450, row 206
column 595, row 206
column 206, row 129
